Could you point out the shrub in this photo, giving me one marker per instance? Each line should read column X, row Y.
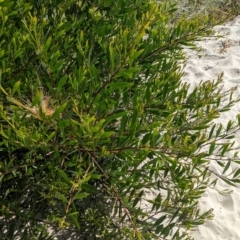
column 100, row 139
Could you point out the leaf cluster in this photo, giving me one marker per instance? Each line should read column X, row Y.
column 95, row 122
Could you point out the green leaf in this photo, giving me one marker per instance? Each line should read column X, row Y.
column 220, row 163
column 138, row 198
column 94, row 129
column 61, row 197
column 229, row 125
column 238, row 118
column 124, row 74
column 16, row 87
column 2, row 53
column 202, row 127
column 160, row 220
column 47, row 44
column 236, row 173
column 230, row 137
column 219, row 130
column 159, row 229
column 95, row 73
column 148, row 93
column 80, row 196
column 236, row 180
column 64, row 175
column 212, row 147
column 116, row 116
column 176, row 214
column 134, row 118
column 87, row 178
column 10, row 164
column 58, row 66
column 89, row 188
column 118, row 85
column 60, row 33
column 1, row 88
column 146, row 138
column 37, row 99
column 167, row 229
column 61, row 83
column 112, row 56
column 58, row 111
column 54, row 58
column 224, row 148
column 176, row 235
column 3, row 133
column 227, row 166
column 29, row 171
column 135, row 55
column 124, row 122
column 50, row 136
column 107, row 134
column 227, row 181
column 96, row 176
column 74, row 217
column 211, row 132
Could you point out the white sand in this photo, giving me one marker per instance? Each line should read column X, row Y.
column 219, row 55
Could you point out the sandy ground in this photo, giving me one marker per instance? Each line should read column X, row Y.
column 219, row 55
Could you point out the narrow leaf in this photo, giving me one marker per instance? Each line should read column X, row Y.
column 107, row 134
column 136, row 55
column 227, row 167
column 16, row 87
column 229, row 125
column 63, row 175
column 116, row 116
column 80, row 196
column 111, row 53
column 62, row 82
column 50, row 136
column 160, row 220
column 212, row 147
column 227, row 181
column 59, row 110
column 211, row 132
column 74, row 217
column 236, row 173
column 118, row 85
column 61, row 197
column 47, row 44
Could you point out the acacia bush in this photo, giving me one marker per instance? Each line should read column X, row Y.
column 100, row 139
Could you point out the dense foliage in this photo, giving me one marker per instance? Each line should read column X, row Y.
column 99, row 138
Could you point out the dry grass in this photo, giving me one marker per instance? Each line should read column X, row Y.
column 26, row 107
column 45, row 107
